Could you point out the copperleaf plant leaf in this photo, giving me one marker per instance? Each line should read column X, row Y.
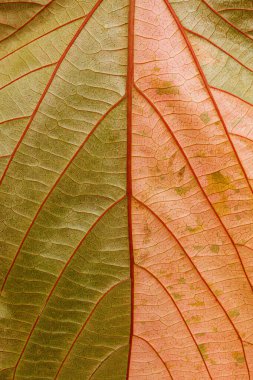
column 126, row 190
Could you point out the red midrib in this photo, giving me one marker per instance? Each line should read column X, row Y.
column 129, row 89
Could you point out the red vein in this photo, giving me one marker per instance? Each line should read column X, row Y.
column 54, row 186
column 173, row 13
column 43, row 35
column 226, row 20
column 196, row 178
column 89, row 15
column 240, row 136
column 22, row 2
column 58, row 279
column 197, row 270
column 27, row 22
column 5, row 369
column 245, row 246
column 235, row 9
column 180, row 313
column 129, row 89
column 156, row 352
column 230, row 93
column 244, row 341
column 5, row 156
column 15, row 118
column 8, row 25
column 85, row 323
column 218, row 47
column 24, row 75
column 105, row 359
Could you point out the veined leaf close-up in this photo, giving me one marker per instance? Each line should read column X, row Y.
column 126, row 190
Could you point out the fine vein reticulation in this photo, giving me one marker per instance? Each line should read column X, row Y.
column 126, row 190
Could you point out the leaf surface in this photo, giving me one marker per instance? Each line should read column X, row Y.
column 126, row 190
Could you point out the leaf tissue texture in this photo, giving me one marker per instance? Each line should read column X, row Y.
column 126, row 190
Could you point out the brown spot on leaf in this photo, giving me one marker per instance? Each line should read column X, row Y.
column 215, row 248
column 181, row 172
column 203, row 350
column 204, row 117
column 218, row 182
column 194, row 230
column 238, row 357
column 177, row 296
column 234, row 313
column 198, row 304
column 164, row 87
column 194, row 319
column 182, row 190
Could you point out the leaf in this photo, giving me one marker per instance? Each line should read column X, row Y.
column 126, row 190
column 14, row 15
column 236, row 12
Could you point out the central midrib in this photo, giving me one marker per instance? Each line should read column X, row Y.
column 129, row 92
